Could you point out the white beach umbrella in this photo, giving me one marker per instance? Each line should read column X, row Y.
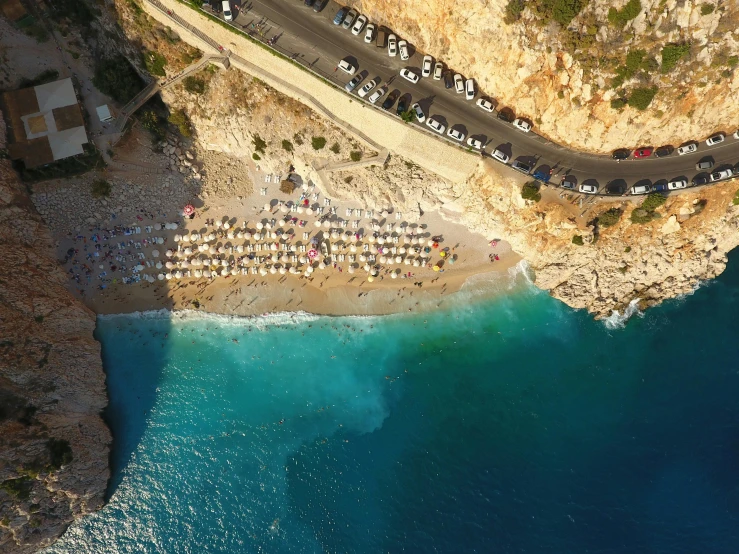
column 362, row 258
column 187, row 251
column 185, row 238
column 385, row 213
column 284, row 259
column 160, row 276
column 273, row 270
column 322, row 266
column 224, row 263
column 177, row 238
column 169, row 265
column 283, row 271
column 402, row 250
column 157, row 226
column 155, row 253
column 168, row 276
column 275, row 258
column 240, row 248
column 284, row 209
column 247, row 235
column 230, row 235
column 352, row 249
column 198, row 273
column 374, row 249
column 367, row 267
column 225, row 271
column 394, row 275
column 184, row 263
column 240, row 235
column 334, row 235
column 212, row 250
column 267, row 207
column 262, row 271
column 219, row 223
column 273, row 235
column 221, row 250
column 178, row 274
column 398, row 259
column 351, row 269
column 226, row 225
column 327, row 224
column 159, row 265
column 302, row 259
column 294, row 270
column 414, row 240
column 160, row 240
column 260, row 225
column 317, row 223
column 207, row 273
column 421, row 241
column 371, row 239
column 169, row 253
column 211, row 237
column 309, row 270
column 273, row 247
column 383, row 259
column 407, row 261
column 308, row 211
column 235, row 271
column 416, row 263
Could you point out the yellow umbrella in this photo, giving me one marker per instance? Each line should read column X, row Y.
column 370, row 278
column 436, row 268
column 442, row 253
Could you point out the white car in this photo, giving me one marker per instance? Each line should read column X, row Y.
column 359, row 25
column 715, row 139
column 458, row 83
column 369, row 33
column 720, row 175
column 522, row 125
column 375, row 96
column 409, row 75
column 588, row 189
column 474, row 143
column 439, row 70
column 227, row 13
column 435, row 125
column 420, row 116
column 485, row 104
column 428, row 61
column 676, row 184
column 687, row 149
column 403, row 47
column 346, row 67
column 349, row 19
column 368, row 87
column 640, row 189
column 500, row 156
column 469, row 89
column 392, row 46
column 736, row 134
column 456, row 134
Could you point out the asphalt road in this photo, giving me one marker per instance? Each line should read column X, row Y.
column 316, row 41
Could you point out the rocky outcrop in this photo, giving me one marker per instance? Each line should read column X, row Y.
column 564, row 77
column 54, row 444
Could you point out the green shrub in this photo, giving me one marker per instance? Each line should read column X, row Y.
column 513, row 11
column 641, row 97
column 259, row 144
column 609, row 217
column 355, row 155
column 408, row 116
column 627, row 249
column 348, row 179
column 116, row 78
column 154, row 124
column 298, row 139
column 577, row 239
column 318, row 142
column 335, row 148
column 671, row 54
column 155, row 63
column 18, row 488
column 733, row 61
column 194, row 85
column 101, row 188
column 179, row 119
column 618, row 103
column 256, row 157
column 530, row 191
column 621, row 17
column 640, row 215
column 60, row 452
column 287, row 145
column 707, row 9
column 561, row 94
column 653, row 201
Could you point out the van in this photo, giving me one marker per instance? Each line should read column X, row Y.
column 381, row 40
column 227, row 15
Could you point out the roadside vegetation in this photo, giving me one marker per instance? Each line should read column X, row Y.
column 609, row 218
column 646, row 212
column 116, row 78
column 577, row 239
column 260, row 145
column 179, row 119
column 194, row 85
column 620, row 18
column 530, row 191
column 154, row 63
column 672, row 54
column 100, row 188
column 318, row 143
column 355, row 155
column 287, row 146
column 561, row 11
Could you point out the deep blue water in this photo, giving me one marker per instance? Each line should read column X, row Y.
column 514, row 425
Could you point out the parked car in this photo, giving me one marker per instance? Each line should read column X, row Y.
column 448, row 80
column 720, row 175
column 227, row 13
column 309, row 3
column 426, row 65
column 474, row 143
column 351, row 85
column 456, row 134
column 402, row 105
column 661, row 186
column 349, row 19
column 522, row 125
column 368, row 87
column 390, row 100
column 676, row 184
column 715, row 139
column 687, row 148
column 403, row 47
column 663, row 151
column 469, row 89
column 506, row 115
column 699, row 180
column 381, row 39
column 347, row 67
column 409, row 75
column 458, row 83
column 435, row 125
column 621, row 154
column 501, row 156
column 521, row 166
column 640, row 189
column 736, row 134
column 542, row 175
column 704, row 164
column 375, row 96
column 485, row 104
column 420, row 116
column 568, row 182
column 319, row 5
column 369, row 33
column 588, row 189
column 359, row 25
column 439, row 70
column 340, row 15
column 617, row 187
column 643, row 152
column 392, row 46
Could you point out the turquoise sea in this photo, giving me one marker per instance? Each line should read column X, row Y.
column 509, row 425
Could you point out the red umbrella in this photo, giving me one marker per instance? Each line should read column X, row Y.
column 188, row 210
column 312, row 253
column 306, row 202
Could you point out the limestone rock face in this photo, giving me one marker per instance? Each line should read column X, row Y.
column 54, row 444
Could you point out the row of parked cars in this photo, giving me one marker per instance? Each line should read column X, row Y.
column 663, row 151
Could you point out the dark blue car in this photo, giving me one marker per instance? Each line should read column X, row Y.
column 340, row 15
column 660, row 187
column 542, row 175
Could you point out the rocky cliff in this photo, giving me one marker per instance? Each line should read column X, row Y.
column 623, row 74
column 54, row 444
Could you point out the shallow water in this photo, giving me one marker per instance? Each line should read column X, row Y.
column 514, row 425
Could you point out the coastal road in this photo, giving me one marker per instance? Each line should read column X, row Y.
column 316, row 41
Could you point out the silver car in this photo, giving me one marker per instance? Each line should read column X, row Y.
column 458, row 83
column 392, row 46
column 420, row 116
column 436, row 126
column 349, row 19
column 426, row 66
column 687, row 149
column 439, row 71
column 588, row 189
column 456, row 134
column 403, row 47
column 501, row 156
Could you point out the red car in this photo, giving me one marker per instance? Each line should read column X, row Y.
column 643, row 152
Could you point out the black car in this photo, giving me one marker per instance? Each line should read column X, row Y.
column 448, row 79
column 506, row 115
column 617, row 187
column 699, row 180
column 216, row 6
column 390, row 100
column 402, row 105
column 621, row 154
column 319, row 5
column 309, row 3
column 663, row 151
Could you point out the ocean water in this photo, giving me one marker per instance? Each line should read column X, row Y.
column 508, row 425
